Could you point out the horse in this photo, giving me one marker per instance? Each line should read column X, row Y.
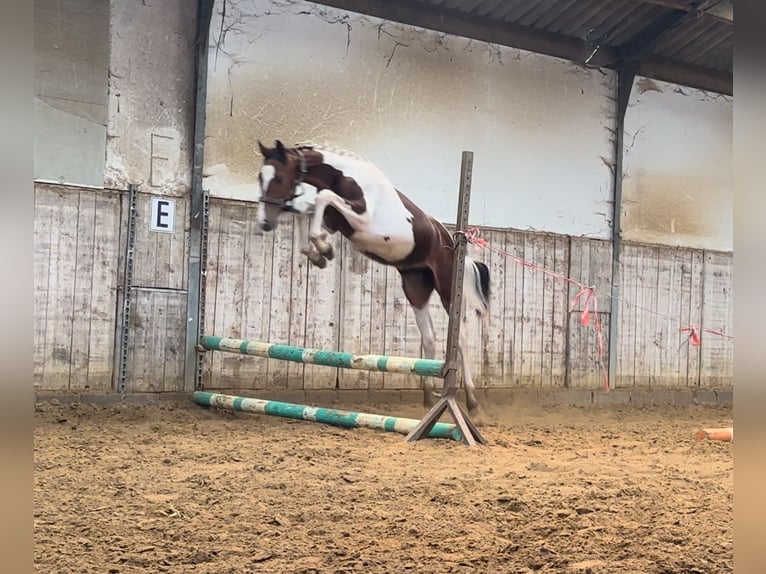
column 355, row 198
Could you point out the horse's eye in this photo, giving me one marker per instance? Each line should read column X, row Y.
column 278, row 178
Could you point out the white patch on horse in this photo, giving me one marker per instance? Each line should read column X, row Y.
column 267, row 174
column 387, row 231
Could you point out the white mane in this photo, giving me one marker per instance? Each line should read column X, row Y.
column 333, row 149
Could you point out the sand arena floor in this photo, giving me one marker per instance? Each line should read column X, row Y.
column 178, row 488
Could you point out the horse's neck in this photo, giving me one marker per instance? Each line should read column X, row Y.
column 323, row 176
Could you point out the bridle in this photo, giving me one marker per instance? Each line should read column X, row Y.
column 285, row 204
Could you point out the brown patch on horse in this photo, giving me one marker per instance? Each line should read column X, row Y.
column 418, row 284
column 325, row 176
column 431, row 261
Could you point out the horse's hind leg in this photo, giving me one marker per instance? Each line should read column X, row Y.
column 443, row 286
column 470, row 388
column 426, row 327
column 418, row 286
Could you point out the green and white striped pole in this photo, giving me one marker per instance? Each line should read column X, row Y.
column 321, row 415
column 339, row 359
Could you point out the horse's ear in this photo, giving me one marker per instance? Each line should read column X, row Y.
column 281, row 154
column 264, row 150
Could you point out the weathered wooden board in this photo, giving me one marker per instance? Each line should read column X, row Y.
column 590, row 264
column 229, row 294
column 661, row 294
column 514, row 308
column 76, row 242
column 717, row 360
column 398, row 337
column 160, row 258
column 494, row 332
column 157, row 341
column 323, row 316
column 355, row 295
column 280, row 301
column 298, row 303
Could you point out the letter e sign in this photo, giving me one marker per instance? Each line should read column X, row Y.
column 163, row 215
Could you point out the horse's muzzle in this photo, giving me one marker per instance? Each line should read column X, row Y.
column 266, row 226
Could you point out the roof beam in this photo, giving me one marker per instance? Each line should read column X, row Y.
column 687, row 75
column 467, row 25
column 523, row 38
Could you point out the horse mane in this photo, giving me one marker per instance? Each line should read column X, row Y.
column 329, row 148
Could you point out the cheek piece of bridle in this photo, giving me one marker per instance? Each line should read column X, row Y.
column 285, row 204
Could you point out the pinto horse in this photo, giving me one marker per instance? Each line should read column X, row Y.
column 356, row 199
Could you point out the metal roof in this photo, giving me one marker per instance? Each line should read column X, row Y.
column 689, row 42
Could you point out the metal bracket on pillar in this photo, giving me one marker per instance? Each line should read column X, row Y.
column 470, row 434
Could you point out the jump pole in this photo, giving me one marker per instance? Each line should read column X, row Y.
column 338, row 359
column 347, row 419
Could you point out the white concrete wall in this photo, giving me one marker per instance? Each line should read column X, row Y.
column 71, row 69
column 151, row 95
column 678, row 185
column 411, row 100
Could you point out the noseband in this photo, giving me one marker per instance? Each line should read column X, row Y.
column 285, row 204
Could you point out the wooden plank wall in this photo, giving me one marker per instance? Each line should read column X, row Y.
column 76, row 255
column 260, row 287
column 79, row 250
column 157, row 336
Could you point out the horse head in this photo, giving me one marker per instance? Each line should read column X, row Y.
column 282, row 172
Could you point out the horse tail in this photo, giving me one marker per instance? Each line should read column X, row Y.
column 477, row 287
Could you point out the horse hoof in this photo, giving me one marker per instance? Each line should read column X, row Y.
column 477, row 416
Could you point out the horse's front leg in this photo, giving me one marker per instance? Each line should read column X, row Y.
column 318, row 233
column 317, row 230
column 307, row 247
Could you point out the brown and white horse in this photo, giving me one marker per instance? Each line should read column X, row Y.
column 355, row 198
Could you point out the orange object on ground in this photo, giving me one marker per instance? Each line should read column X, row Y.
column 724, row 434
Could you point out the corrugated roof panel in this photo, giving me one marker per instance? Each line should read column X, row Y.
column 680, row 37
column 704, row 42
column 538, row 9
column 583, row 21
column 631, row 27
column 714, row 45
column 722, row 60
column 570, row 16
column 631, row 13
column 486, row 7
column 467, row 5
column 698, row 43
column 556, row 13
column 511, row 10
column 598, row 22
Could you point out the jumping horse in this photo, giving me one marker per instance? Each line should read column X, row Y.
column 355, row 198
